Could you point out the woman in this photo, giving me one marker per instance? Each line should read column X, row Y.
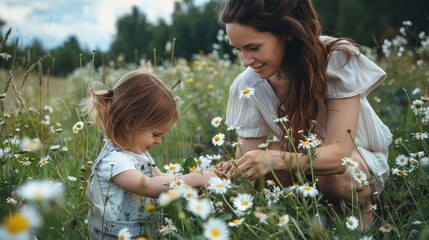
column 308, row 78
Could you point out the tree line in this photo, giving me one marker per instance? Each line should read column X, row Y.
column 195, row 29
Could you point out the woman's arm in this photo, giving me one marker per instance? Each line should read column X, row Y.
column 341, row 121
column 136, row 182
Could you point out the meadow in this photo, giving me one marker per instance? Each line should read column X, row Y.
column 48, row 146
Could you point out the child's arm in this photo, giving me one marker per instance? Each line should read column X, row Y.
column 136, row 182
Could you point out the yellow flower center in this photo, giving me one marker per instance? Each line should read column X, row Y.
column 215, row 232
column 306, row 143
column 216, row 138
column 172, row 168
column 308, row 188
column 141, row 238
column 16, row 224
column 219, row 185
column 199, row 208
column 236, row 221
column 150, row 208
column 244, row 203
column 246, row 91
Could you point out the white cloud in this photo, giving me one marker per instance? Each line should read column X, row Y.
column 92, row 22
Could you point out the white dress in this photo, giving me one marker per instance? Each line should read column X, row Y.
column 345, row 78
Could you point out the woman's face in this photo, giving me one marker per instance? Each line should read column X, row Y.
column 262, row 51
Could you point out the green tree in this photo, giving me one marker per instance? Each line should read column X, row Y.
column 133, row 36
column 67, row 57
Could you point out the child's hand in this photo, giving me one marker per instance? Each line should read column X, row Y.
column 221, row 169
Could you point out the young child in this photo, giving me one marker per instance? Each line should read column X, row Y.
column 134, row 115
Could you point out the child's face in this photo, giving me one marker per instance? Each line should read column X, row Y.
column 147, row 138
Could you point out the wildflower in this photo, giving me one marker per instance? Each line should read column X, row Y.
column 177, row 183
column 417, row 222
column 173, row 168
column 216, row 229
column 308, row 191
column 352, row 223
column 386, row 228
column 282, row 119
column 236, row 222
column 16, row 226
column 54, row 147
column 72, row 179
column 166, row 198
column 43, row 191
column 64, row 149
column 361, row 178
column 261, row 217
column 48, row 109
column 372, row 208
column 216, row 121
column 283, row 220
column 201, row 208
column 401, row 160
column 219, row 185
column 77, row 128
column 247, row 92
column 350, row 163
column 304, row 144
column 271, row 182
column 30, row 145
column 190, row 193
column 5, row 55
column 399, row 172
column 44, row 160
column 169, row 228
column 232, row 128
column 124, row 234
column 204, row 162
column 218, row 139
column 235, row 144
column 243, row 202
column 263, row 146
column 12, row 201
column 150, row 208
column 366, row 238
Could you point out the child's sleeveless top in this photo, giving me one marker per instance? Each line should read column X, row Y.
column 130, row 211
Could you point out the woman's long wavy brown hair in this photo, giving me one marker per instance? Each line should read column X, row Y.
column 306, row 57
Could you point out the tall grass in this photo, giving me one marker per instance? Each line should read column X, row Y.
column 40, row 140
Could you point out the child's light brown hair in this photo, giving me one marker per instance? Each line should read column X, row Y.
column 138, row 101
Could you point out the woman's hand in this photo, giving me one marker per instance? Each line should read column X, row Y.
column 253, row 164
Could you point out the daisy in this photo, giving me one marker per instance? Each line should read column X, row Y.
column 236, row 222
column 386, row 228
column 201, row 208
column 401, row 160
column 190, row 193
column 247, row 92
column 308, row 191
column 54, row 147
column 72, row 179
column 361, row 178
column 176, row 183
column 399, row 172
column 5, row 55
column 30, row 145
column 304, row 144
column 283, row 220
column 352, row 223
column 77, row 128
column 219, row 185
column 243, row 202
column 12, row 201
column 16, row 226
column 218, row 139
column 124, row 234
column 216, row 229
column 173, row 168
column 232, row 128
column 216, row 121
column 350, row 163
column 282, row 119
column 166, row 198
column 261, row 217
column 44, row 160
column 169, row 228
column 43, row 191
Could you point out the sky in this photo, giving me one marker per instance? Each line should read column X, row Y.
column 91, row 21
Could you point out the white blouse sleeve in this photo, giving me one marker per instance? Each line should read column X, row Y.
column 351, row 76
column 113, row 164
column 254, row 116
